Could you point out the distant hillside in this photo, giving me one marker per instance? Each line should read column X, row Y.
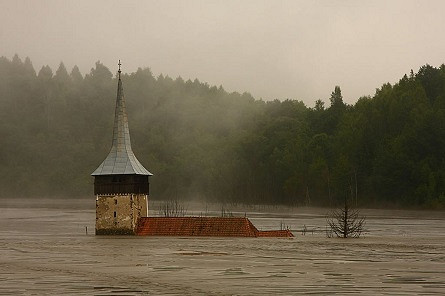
column 203, row 142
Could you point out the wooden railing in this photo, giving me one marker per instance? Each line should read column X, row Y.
column 121, row 188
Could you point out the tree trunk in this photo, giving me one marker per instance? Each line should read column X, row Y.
column 345, row 224
column 356, row 188
column 329, row 189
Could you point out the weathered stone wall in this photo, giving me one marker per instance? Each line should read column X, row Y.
column 119, row 214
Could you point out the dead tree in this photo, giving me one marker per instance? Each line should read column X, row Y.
column 172, row 208
column 345, row 222
column 226, row 213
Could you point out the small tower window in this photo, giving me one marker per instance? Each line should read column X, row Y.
column 114, row 214
column 115, row 201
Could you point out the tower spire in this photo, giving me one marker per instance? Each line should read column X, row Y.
column 121, row 159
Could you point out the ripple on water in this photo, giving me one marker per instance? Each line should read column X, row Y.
column 233, row 271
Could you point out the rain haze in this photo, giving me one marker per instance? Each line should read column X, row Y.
column 317, row 167
column 271, row 49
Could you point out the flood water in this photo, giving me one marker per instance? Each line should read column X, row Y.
column 44, row 250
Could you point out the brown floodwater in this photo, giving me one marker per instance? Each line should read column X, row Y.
column 44, row 250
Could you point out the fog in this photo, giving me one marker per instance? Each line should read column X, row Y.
column 287, row 49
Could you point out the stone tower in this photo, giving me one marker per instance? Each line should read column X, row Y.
column 121, row 182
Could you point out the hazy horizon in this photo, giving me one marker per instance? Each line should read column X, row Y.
column 273, row 50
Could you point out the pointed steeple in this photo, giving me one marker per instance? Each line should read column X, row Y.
column 121, row 159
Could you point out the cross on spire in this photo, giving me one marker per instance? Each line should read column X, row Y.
column 119, row 71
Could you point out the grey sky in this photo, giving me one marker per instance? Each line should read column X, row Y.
column 272, row 49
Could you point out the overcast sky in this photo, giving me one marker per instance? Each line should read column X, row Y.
column 272, row 49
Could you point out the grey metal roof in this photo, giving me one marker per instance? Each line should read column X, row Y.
column 121, row 159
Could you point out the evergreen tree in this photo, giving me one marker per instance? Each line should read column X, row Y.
column 336, row 98
column 201, row 141
column 76, row 76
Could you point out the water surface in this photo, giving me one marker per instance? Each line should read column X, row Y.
column 44, row 249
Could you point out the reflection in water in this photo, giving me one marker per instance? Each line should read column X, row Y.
column 44, row 250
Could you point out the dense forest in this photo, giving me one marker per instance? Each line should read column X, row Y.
column 201, row 141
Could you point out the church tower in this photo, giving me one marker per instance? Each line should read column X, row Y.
column 121, row 182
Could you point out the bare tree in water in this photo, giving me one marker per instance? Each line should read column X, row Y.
column 345, row 222
column 172, row 208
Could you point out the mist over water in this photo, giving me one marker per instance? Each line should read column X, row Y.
column 229, row 101
column 44, row 250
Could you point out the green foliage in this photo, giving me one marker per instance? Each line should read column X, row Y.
column 336, row 98
column 203, row 142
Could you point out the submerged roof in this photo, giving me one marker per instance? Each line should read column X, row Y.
column 204, row 226
column 121, row 159
column 196, row 226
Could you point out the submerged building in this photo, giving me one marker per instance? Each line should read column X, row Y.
column 121, row 187
column 121, row 182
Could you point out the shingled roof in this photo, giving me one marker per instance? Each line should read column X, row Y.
column 204, row 226
column 121, row 159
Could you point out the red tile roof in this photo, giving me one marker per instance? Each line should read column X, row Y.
column 203, row 226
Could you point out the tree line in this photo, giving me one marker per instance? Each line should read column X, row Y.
column 201, row 141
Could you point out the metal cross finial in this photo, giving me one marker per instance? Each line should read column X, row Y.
column 119, row 71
